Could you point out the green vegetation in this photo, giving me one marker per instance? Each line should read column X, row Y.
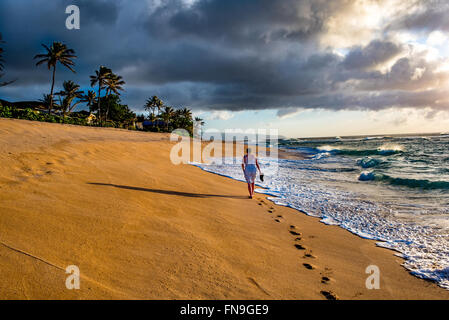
column 71, row 91
column 35, row 115
column 104, row 110
column 164, row 118
column 119, row 115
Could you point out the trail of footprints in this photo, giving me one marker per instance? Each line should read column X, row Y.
column 325, row 276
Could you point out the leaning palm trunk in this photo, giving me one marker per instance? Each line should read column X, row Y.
column 50, row 107
column 99, row 104
column 108, row 106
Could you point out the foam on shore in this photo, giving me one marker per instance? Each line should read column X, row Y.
column 425, row 247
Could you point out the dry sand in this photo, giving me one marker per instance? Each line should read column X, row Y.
column 110, row 202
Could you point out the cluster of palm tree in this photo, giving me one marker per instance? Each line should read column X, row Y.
column 171, row 118
column 71, row 96
column 104, row 81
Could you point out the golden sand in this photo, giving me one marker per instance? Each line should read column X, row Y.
column 138, row 227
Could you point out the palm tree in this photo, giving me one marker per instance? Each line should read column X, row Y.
column 166, row 115
column 152, row 117
column 89, row 99
column 71, row 92
column 100, row 78
column 198, row 123
column 149, row 107
column 46, row 99
column 113, row 84
column 183, row 119
column 154, row 104
column 186, row 113
column 57, row 52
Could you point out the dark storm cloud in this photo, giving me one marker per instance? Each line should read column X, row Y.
column 233, row 55
column 375, row 53
column 103, row 12
column 244, row 21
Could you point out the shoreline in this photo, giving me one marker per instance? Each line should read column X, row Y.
column 280, row 198
column 378, row 242
column 141, row 228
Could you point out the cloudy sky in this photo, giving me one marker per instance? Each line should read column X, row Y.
column 306, row 67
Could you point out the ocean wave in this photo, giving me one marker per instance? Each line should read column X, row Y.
column 368, row 162
column 321, row 155
column 406, row 182
column 424, row 247
column 327, row 169
column 384, row 150
column 374, row 138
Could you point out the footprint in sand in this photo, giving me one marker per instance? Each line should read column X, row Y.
column 325, row 280
column 309, row 255
column 299, row 247
column 298, row 239
column 308, row 266
column 295, row 233
column 329, row 295
column 326, row 275
column 279, row 218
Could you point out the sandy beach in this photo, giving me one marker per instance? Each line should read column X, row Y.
column 138, row 227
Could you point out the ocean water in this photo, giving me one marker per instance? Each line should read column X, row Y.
column 391, row 189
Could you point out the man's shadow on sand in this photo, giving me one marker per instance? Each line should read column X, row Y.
column 169, row 192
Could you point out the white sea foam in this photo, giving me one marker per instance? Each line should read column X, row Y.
column 327, row 148
column 391, row 147
column 425, row 247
